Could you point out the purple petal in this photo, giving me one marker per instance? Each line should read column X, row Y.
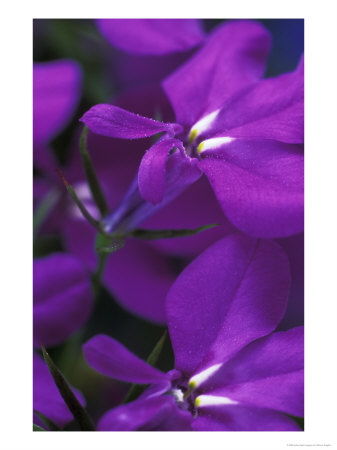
column 259, row 185
column 150, row 268
column 271, row 109
column 233, row 293
column 151, row 175
column 294, row 315
column 181, row 172
column 233, row 57
column 57, row 88
column 151, row 414
column 112, row 359
column 46, row 397
column 62, row 298
column 184, row 212
column 242, row 418
column 152, row 36
column 112, row 121
column 267, row 373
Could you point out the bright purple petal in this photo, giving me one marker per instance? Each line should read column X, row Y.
column 151, row 175
column 267, row 373
column 112, row 121
column 109, row 357
column 46, row 397
column 62, row 298
column 233, row 57
column 271, row 109
column 233, row 293
column 152, row 36
column 259, row 185
column 242, row 418
column 57, row 88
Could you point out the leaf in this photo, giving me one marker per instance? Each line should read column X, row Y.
column 47, row 422
column 140, row 233
column 37, row 428
column 136, row 389
column 79, row 413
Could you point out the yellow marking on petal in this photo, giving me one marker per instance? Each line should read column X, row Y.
column 192, row 136
column 192, row 384
column 200, row 147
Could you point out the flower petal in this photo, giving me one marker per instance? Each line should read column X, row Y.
column 151, row 269
column 259, row 185
column 267, row 373
column 62, row 298
column 242, row 418
column 109, row 357
column 56, row 92
column 46, row 397
column 271, row 109
column 151, row 175
column 112, row 121
column 152, row 36
column 233, row 293
column 151, row 414
column 233, row 57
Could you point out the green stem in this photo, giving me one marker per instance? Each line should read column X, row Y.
column 92, row 179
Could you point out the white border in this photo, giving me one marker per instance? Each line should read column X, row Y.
column 321, row 223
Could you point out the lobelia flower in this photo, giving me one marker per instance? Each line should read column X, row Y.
column 149, row 262
column 62, row 304
column 231, row 372
column 243, row 132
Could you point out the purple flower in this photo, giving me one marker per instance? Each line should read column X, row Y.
column 56, row 92
column 62, row 304
column 245, row 134
column 152, row 36
column 231, row 372
column 152, row 271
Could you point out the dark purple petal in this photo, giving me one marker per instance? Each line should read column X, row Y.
column 184, row 212
column 271, row 109
column 243, row 418
column 267, row 373
column 112, row 121
column 150, row 268
column 62, row 298
column 151, row 175
column 46, row 397
column 56, row 92
column 152, row 36
column 259, row 185
column 294, row 315
column 233, row 57
column 233, row 293
column 109, row 357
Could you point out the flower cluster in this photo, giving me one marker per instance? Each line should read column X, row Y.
column 206, row 153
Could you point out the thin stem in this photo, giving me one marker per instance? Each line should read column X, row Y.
column 92, row 179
